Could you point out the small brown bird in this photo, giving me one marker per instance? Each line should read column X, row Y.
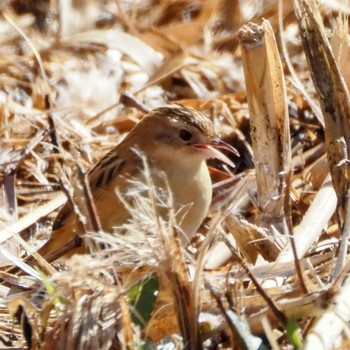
column 176, row 140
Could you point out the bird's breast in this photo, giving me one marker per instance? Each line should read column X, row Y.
column 192, row 192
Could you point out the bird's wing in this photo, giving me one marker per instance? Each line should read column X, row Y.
column 113, row 167
column 109, row 167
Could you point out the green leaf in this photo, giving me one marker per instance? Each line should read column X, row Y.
column 293, row 333
column 51, row 289
column 143, row 296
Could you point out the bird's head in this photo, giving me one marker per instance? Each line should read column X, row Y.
column 180, row 131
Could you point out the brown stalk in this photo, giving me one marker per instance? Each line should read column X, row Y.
column 221, row 306
column 93, row 223
column 334, row 100
column 8, row 196
column 266, row 95
column 83, row 199
column 273, row 306
column 67, row 248
column 129, row 100
column 289, row 223
column 57, row 148
column 126, row 321
column 184, row 294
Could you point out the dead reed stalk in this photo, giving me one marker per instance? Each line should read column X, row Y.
column 269, row 123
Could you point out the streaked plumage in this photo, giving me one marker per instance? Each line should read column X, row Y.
column 176, row 140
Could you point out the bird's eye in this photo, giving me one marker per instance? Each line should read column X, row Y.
column 185, row 134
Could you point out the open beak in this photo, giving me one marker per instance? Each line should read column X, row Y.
column 212, row 150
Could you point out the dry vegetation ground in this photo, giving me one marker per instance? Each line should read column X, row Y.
column 269, row 265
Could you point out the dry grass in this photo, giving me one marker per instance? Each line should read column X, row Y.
column 270, row 262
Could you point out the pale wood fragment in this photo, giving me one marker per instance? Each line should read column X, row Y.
column 313, row 223
column 266, row 94
column 251, row 240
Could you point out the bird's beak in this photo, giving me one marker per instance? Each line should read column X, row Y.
column 212, row 150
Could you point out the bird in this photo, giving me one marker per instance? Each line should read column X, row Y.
column 176, row 140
